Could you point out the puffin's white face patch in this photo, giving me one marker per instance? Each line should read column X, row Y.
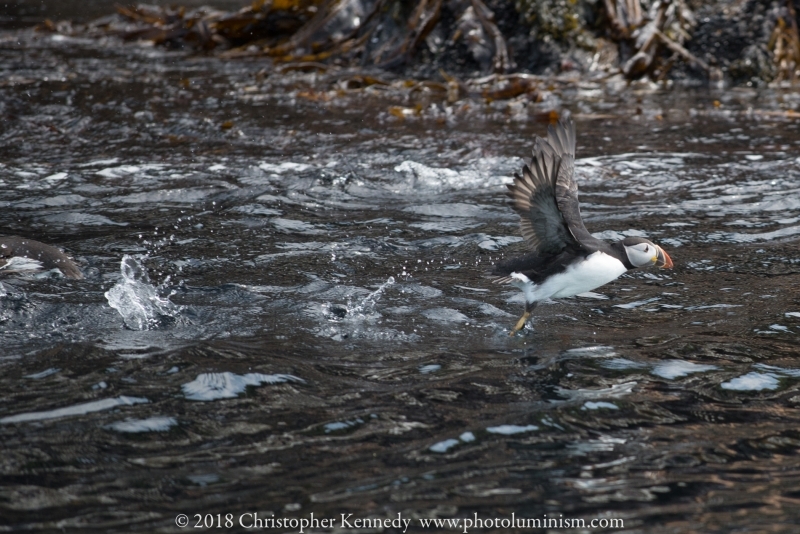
column 641, row 254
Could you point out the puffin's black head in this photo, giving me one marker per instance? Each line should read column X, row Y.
column 641, row 252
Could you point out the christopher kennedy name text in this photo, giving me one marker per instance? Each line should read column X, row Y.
column 253, row 520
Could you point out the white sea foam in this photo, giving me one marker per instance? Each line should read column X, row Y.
column 599, row 405
column 43, row 374
column 636, row 304
column 213, row 386
column 419, row 177
column 151, row 424
column 752, row 382
column 508, row 430
column 672, row 369
column 76, row 409
column 444, row 446
column 445, row 315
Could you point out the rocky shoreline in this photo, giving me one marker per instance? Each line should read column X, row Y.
column 722, row 42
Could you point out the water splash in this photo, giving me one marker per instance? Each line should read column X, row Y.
column 363, row 310
column 367, row 304
column 137, row 300
column 358, row 320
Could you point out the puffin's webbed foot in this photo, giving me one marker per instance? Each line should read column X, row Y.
column 521, row 323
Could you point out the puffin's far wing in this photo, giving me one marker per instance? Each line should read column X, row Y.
column 562, row 138
column 534, row 197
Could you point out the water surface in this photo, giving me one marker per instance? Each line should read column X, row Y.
column 286, row 307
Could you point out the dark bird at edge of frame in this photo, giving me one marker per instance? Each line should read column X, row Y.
column 565, row 259
column 18, row 254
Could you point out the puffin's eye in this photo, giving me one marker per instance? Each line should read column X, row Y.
column 646, row 248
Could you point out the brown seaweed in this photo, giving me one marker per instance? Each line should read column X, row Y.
column 785, row 44
column 666, row 27
column 396, row 35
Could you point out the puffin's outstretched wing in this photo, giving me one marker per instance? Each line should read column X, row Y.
column 534, row 197
column 562, row 138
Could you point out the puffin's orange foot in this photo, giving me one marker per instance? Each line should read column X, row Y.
column 520, row 324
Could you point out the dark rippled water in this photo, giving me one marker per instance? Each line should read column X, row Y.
column 321, row 335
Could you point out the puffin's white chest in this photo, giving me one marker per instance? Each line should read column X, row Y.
column 596, row 270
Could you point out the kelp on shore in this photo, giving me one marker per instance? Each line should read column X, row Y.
column 486, row 49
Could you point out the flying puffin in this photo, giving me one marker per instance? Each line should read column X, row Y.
column 20, row 254
column 566, row 259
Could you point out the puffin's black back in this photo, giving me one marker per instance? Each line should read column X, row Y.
column 538, row 267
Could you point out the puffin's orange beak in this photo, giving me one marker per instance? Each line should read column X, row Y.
column 662, row 259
